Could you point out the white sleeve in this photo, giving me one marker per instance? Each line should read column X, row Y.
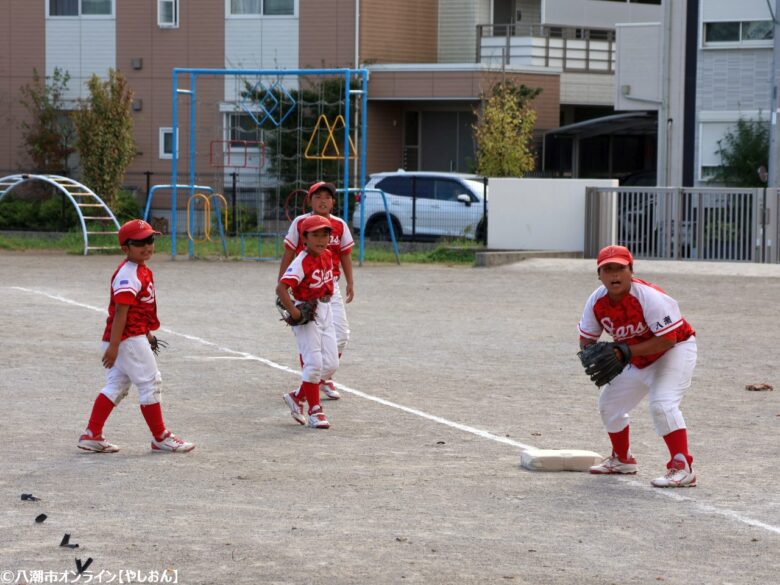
column 126, row 281
column 662, row 313
column 292, row 239
column 589, row 327
column 294, row 272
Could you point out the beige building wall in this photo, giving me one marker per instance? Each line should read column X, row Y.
column 327, row 33
column 402, row 31
column 197, row 43
column 21, row 50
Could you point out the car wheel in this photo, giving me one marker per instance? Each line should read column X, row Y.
column 481, row 233
column 377, row 229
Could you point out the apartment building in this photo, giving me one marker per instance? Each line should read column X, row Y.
column 429, row 63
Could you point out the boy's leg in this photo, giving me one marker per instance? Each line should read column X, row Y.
column 141, row 367
column 115, row 390
column 341, row 328
column 309, row 341
column 672, row 378
column 616, row 400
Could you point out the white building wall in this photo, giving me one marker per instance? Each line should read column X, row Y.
column 82, row 47
column 597, row 13
column 260, row 43
column 457, row 30
column 539, row 214
column 730, row 10
column 587, row 89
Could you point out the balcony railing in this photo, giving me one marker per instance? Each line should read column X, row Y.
column 581, row 50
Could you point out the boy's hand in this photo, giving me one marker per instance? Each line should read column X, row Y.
column 109, row 357
column 350, row 292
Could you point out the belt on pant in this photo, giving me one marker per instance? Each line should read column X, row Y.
column 325, row 299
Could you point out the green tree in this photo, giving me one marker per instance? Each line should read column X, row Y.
column 286, row 143
column 48, row 133
column 742, row 151
column 504, row 131
column 104, row 129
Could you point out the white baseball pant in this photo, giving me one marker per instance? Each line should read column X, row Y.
column 665, row 381
column 340, row 322
column 317, row 345
column 135, row 364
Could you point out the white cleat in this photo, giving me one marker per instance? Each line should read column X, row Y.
column 296, row 407
column 172, row 444
column 317, row 419
column 679, row 474
column 329, row 389
column 614, row 464
column 96, row 444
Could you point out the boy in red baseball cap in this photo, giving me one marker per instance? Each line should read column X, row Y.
column 310, row 277
column 322, row 198
column 663, row 356
column 129, row 345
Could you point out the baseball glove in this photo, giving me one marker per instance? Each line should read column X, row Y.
column 308, row 311
column 157, row 345
column 601, row 362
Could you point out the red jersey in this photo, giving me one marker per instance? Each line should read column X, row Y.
column 646, row 311
column 310, row 277
column 341, row 241
column 133, row 284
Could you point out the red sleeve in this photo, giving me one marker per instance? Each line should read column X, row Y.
column 124, row 298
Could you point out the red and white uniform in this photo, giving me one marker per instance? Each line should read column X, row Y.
column 646, row 311
column 133, row 284
column 311, row 278
column 341, row 243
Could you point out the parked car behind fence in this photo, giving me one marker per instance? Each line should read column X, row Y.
column 424, row 205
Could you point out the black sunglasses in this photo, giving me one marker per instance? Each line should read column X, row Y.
column 140, row 243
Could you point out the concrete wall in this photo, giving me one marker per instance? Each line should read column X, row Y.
column 596, row 13
column 539, row 214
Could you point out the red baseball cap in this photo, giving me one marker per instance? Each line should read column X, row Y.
column 614, row 255
column 322, row 185
column 135, row 229
column 315, row 222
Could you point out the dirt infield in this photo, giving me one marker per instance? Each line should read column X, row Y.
column 450, row 373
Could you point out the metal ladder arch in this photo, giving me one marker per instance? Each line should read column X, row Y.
column 82, row 198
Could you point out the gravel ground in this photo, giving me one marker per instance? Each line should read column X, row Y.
column 450, row 372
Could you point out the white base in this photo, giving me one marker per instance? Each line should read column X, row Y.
column 559, row 459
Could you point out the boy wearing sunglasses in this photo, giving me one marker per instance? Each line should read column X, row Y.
column 127, row 345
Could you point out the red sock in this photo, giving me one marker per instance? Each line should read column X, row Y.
column 620, row 443
column 677, row 441
column 312, row 392
column 100, row 411
column 300, row 359
column 154, row 419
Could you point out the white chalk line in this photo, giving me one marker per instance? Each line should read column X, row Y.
column 670, row 493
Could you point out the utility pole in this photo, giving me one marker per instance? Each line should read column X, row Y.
column 773, row 162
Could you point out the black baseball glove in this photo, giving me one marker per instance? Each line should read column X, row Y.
column 308, row 311
column 157, row 344
column 601, row 361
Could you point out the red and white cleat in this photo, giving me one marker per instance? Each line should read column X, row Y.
column 172, row 444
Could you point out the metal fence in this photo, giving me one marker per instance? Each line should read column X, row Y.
column 687, row 224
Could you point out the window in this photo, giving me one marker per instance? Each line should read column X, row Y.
column 168, row 13
column 242, row 127
column 262, row 7
column 396, row 186
column 81, row 7
column 750, row 33
column 166, row 143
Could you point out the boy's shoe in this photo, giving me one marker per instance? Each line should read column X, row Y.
column 172, row 444
column 679, row 474
column 329, row 389
column 296, row 407
column 96, row 444
column 317, row 419
column 615, row 464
